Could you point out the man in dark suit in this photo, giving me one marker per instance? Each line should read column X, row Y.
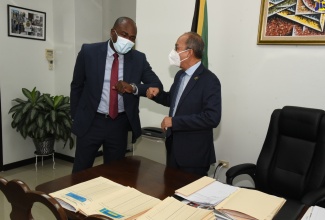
column 107, row 81
column 195, row 108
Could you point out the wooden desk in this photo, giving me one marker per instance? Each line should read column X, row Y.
column 145, row 175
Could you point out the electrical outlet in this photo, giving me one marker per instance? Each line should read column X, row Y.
column 225, row 163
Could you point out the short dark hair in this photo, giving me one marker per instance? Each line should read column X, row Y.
column 120, row 20
column 195, row 42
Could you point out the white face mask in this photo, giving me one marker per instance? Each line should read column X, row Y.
column 174, row 58
column 122, row 45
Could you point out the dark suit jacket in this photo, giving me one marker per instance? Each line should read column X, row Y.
column 87, row 85
column 197, row 113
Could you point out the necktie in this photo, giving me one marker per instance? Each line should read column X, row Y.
column 113, row 105
column 179, row 91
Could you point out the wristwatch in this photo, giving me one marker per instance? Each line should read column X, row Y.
column 134, row 88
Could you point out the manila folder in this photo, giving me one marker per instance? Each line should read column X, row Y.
column 251, row 203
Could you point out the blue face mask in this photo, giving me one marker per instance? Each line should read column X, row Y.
column 122, row 45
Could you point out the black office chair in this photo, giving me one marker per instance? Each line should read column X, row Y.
column 291, row 163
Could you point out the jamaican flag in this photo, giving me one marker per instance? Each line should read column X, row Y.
column 200, row 26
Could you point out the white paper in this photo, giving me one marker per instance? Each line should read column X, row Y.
column 211, row 194
column 314, row 213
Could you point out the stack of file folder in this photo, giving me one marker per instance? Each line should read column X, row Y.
column 232, row 202
column 205, row 199
column 105, row 197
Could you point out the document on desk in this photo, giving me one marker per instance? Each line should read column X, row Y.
column 171, row 208
column 251, row 204
column 105, row 197
column 314, row 213
column 195, row 186
column 123, row 204
column 206, row 191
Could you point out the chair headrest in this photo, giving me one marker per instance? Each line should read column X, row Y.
column 300, row 122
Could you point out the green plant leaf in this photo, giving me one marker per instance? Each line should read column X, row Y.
column 53, row 116
column 48, row 100
column 48, row 127
column 71, row 140
column 57, row 101
column 31, row 128
column 40, row 105
column 33, row 114
column 66, row 100
column 40, row 120
column 27, row 107
column 64, row 106
column 23, row 131
column 67, row 123
column 28, row 93
column 16, row 108
column 13, row 124
column 18, row 116
column 62, row 114
column 42, row 115
column 19, row 100
column 36, row 96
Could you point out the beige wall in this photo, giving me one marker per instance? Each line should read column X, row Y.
column 114, row 9
column 22, row 64
column 255, row 79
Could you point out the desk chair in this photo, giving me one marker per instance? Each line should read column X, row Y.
column 291, row 163
column 22, row 200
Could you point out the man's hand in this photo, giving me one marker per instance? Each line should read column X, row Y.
column 123, row 87
column 166, row 123
column 152, row 92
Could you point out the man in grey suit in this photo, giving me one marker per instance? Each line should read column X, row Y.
column 108, row 79
column 195, row 108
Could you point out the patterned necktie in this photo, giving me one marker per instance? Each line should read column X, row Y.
column 176, row 97
column 113, row 105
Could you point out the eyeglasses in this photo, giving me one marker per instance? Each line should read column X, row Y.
column 177, row 48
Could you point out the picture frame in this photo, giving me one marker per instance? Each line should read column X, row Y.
column 298, row 22
column 26, row 23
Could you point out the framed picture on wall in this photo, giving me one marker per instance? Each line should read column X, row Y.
column 292, row 22
column 26, row 23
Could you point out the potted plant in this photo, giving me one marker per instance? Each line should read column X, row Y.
column 44, row 118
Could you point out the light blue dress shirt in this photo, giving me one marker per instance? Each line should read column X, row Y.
column 104, row 101
column 189, row 72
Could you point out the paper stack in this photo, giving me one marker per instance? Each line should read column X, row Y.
column 170, row 208
column 105, row 197
column 206, row 191
column 234, row 202
column 314, row 213
column 251, row 204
